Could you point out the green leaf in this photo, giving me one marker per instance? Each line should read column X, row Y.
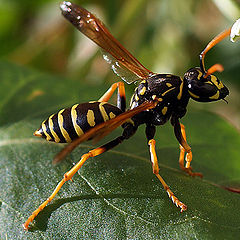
column 115, row 195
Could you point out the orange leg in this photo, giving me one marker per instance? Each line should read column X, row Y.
column 121, row 101
column 68, row 175
column 155, row 167
column 185, row 148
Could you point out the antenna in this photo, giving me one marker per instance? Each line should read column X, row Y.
column 216, row 40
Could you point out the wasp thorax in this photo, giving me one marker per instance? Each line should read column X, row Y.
column 204, row 89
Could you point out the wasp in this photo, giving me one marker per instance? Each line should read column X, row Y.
column 157, row 99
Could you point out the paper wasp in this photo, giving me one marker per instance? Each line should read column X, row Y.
column 157, row 99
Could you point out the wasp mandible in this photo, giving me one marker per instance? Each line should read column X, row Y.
column 157, row 99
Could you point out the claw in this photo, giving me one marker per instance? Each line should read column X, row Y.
column 190, row 172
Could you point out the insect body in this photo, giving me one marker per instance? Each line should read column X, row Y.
column 71, row 123
column 157, row 99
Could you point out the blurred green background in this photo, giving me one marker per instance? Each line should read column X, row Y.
column 166, row 36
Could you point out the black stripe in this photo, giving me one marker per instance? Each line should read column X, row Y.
column 68, row 124
column 46, row 123
column 56, row 128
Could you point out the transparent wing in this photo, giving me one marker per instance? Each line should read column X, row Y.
column 123, row 63
column 119, row 69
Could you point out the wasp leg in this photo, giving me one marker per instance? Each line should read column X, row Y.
column 128, row 132
column 121, row 99
column 180, row 134
column 155, row 167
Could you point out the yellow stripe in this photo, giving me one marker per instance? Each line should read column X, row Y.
column 143, row 90
column 112, row 115
column 48, row 137
column 50, row 122
column 91, row 118
column 63, row 131
column 133, row 105
column 103, row 112
column 168, row 84
column 219, row 84
column 163, row 94
column 215, row 96
column 199, row 74
column 164, row 110
column 78, row 130
column 193, row 95
column 180, row 90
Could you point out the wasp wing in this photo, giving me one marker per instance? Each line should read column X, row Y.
column 121, row 60
column 119, row 69
column 103, row 129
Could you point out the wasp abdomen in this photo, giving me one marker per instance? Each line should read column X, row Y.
column 70, row 123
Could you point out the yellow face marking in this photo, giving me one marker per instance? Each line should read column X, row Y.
column 215, row 96
column 160, row 99
column 169, row 84
column 209, row 82
column 163, row 94
column 143, row 90
column 48, row 137
column 193, row 95
column 136, row 97
column 219, row 85
column 50, row 122
column 103, row 112
column 144, row 81
column 63, row 131
column 180, row 90
column 78, row 130
column 112, row 115
column 91, row 118
column 164, row 110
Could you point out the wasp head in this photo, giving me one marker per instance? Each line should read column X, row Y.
column 203, row 87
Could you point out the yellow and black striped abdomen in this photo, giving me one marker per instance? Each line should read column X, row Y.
column 70, row 123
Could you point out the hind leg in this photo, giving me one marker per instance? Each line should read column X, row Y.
column 121, row 96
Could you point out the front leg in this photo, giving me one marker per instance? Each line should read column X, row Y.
column 179, row 130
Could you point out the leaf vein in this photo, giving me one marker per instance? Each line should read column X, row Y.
column 112, row 205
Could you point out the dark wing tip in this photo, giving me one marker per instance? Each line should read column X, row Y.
column 78, row 16
column 66, row 6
